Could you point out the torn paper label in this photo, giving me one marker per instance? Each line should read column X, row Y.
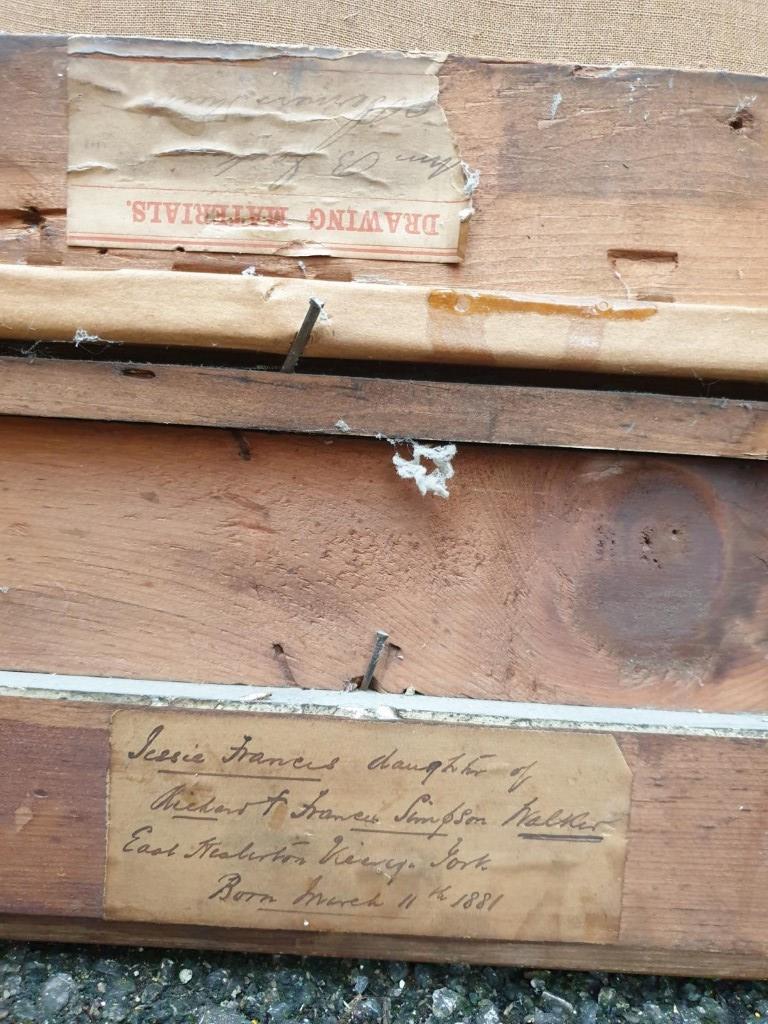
column 251, row 149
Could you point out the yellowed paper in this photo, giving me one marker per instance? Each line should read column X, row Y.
column 254, row 149
column 299, row 822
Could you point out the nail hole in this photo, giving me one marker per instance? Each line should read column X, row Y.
column 32, row 217
column 138, row 371
column 740, row 120
column 42, row 793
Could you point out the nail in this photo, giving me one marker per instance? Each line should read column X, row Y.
column 378, row 646
column 302, row 337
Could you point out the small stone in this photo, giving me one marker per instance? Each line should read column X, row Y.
column 166, row 971
column 423, row 975
column 488, row 1015
column 222, row 1015
column 151, row 991
column 279, row 1013
column 634, row 1017
column 107, row 966
column 55, row 994
column 606, row 997
column 119, row 1000
column 557, row 1003
column 588, row 1013
column 11, row 986
column 546, row 1017
column 25, row 1013
column 397, row 970
column 445, row 1002
column 218, row 984
column 690, row 992
column 360, row 983
column 711, row 1012
column 185, row 976
column 368, row 1010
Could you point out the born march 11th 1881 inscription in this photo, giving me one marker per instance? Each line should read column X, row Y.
column 312, row 823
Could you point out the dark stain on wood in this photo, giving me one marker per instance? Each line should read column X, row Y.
column 665, row 582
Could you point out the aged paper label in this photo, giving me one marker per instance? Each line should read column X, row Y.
column 300, row 822
column 252, row 149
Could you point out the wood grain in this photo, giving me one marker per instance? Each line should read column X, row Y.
column 374, row 321
column 583, row 195
column 641, row 183
column 720, row 963
column 695, row 888
column 371, row 407
column 192, row 554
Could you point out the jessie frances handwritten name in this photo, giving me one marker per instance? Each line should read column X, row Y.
column 266, row 821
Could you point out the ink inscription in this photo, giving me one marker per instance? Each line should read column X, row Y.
column 294, row 822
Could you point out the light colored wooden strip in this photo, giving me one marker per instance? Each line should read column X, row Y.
column 559, row 577
column 368, row 321
column 363, row 407
column 695, row 881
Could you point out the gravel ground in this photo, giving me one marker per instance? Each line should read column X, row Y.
column 67, row 984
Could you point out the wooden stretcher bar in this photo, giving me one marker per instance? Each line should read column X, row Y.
column 339, row 405
column 694, row 891
column 383, row 322
column 637, row 172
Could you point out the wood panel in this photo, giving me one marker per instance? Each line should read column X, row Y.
column 695, row 887
column 199, row 555
column 623, row 182
column 365, row 407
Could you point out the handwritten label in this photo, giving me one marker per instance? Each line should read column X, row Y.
column 299, row 822
column 252, row 149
